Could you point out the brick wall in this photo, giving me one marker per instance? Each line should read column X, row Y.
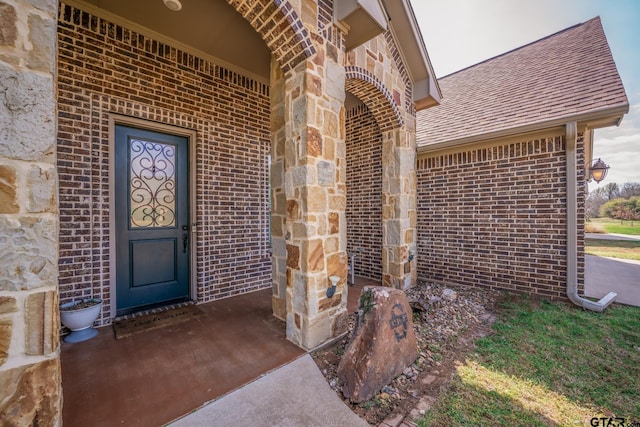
column 364, row 192
column 103, row 69
column 496, row 216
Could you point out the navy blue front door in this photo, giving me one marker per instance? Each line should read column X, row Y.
column 152, row 218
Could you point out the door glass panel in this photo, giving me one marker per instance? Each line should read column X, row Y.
column 152, row 184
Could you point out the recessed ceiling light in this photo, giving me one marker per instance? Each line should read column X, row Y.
column 174, row 5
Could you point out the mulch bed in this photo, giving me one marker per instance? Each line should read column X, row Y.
column 446, row 321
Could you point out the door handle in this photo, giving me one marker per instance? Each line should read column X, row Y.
column 185, row 240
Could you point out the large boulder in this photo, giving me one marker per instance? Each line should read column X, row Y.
column 383, row 344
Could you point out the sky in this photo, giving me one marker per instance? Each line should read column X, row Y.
column 460, row 33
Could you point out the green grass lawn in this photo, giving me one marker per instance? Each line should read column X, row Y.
column 547, row 364
column 613, row 248
column 609, row 225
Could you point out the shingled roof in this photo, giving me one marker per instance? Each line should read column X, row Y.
column 568, row 76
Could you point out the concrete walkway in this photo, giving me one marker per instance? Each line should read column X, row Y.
column 603, row 275
column 294, row 395
column 610, row 236
column 621, row 276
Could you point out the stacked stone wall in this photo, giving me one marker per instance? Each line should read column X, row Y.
column 495, row 216
column 30, row 391
column 378, row 62
column 105, row 68
column 315, row 196
column 364, row 192
column 377, row 75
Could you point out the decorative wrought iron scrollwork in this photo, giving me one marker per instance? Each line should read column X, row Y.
column 153, row 184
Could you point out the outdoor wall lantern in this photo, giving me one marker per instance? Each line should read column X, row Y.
column 599, row 170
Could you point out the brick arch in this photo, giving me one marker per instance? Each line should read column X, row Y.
column 280, row 27
column 370, row 90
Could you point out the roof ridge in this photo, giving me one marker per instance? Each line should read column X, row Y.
column 596, row 18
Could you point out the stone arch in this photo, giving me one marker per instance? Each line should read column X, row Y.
column 370, row 90
column 280, row 27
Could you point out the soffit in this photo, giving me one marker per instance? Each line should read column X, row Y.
column 406, row 31
column 209, row 26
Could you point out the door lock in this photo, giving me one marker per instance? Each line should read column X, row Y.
column 185, row 238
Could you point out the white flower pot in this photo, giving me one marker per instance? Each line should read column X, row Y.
column 80, row 321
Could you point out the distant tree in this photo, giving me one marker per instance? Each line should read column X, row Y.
column 630, row 189
column 594, row 202
column 610, row 208
column 633, row 204
column 622, row 209
column 612, row 191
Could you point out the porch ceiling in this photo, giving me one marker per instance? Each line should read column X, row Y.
column 209, row 26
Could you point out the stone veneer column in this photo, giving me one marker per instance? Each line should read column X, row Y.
column 30, row 383
column 315, row 190
column 399, row 195
column 278, row 196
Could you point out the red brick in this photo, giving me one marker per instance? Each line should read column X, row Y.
column 105, row 68
column 508, row 232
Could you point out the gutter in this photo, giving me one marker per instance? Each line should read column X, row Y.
column 611, row 116
column 572, row 228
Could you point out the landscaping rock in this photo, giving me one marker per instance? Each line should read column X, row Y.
column 449, row 295
column 440, row 326
column 383, row 346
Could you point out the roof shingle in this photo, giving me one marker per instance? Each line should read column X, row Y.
column 571, row 72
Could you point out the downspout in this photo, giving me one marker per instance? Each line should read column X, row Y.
column 572, row 228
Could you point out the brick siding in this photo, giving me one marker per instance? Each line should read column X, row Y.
column 394, row 53
column 103, row 69
column 484, row 219
column 280, row 27
column 496, row 217
column 364, row 192
column 375, row 95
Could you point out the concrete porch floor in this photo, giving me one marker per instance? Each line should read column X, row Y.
column 152, row 378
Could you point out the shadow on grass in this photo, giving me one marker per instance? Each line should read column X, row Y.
column 548, row 364
column 469, row 405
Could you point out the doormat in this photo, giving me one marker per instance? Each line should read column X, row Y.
column 147, row 322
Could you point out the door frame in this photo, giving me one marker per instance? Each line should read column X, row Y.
column 190, row 134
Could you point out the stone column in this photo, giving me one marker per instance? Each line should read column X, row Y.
column 278, row 196
column 315, row 189
column 399, row 195
column 30, row 383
